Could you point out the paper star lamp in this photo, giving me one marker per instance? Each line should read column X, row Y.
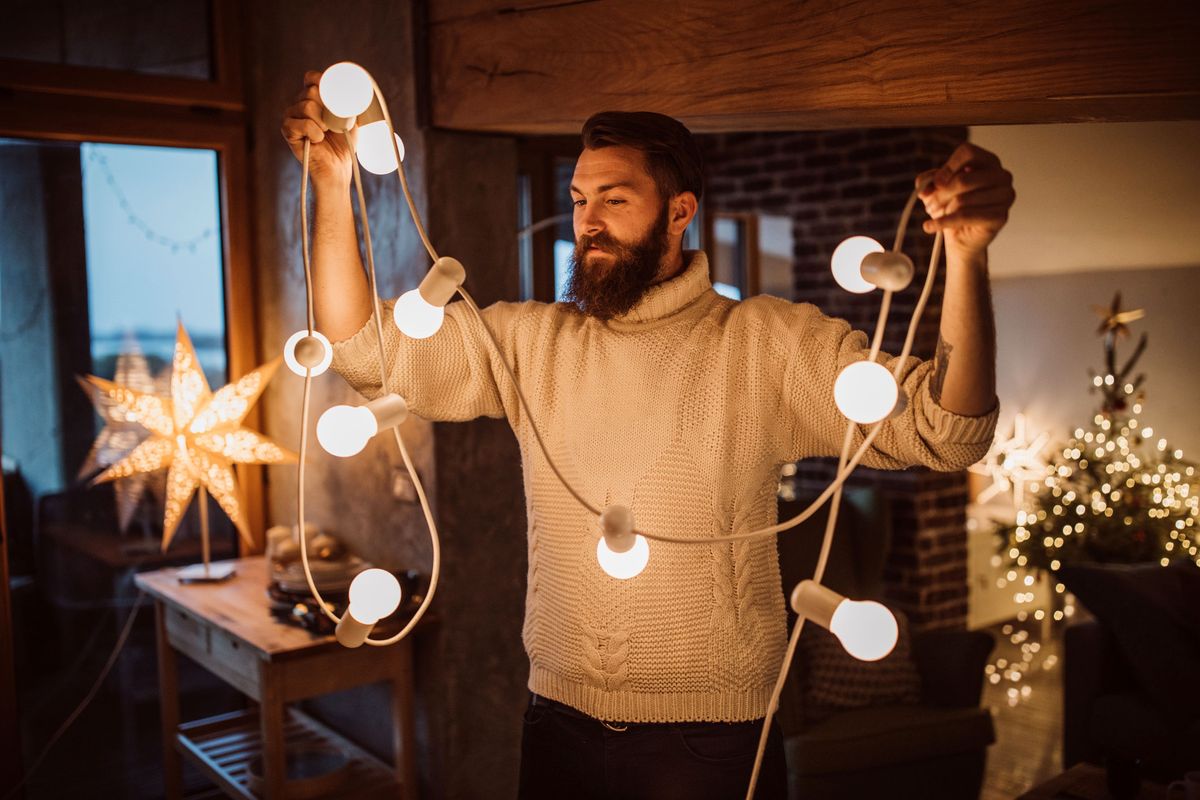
column 120, row 434
column 196, row 435
column 1012, row 463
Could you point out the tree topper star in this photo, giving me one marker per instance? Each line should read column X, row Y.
column 195, row 433
column 1115, row 321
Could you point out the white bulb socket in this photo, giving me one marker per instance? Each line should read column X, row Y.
column 344, row 430
column 346, row 90
column 847, row 263
column 374, row 594
column 865, row 392
column 309, row 351
column 350, row 632
column 419, row 312
column 621, row 552
column 375, row 151
column 867, row 629
column 888, row 270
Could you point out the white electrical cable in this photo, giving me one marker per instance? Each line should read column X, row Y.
column 831, row 522
column 435, row 542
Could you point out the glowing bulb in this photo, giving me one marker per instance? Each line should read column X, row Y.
column 623, row 565
column 847, row 263
column 416, row 317
column 374, row 594
column 375, row 151
column 865, row 628
column 346, row 89
column 865, row 392
column 345, row 430
column 305, row 350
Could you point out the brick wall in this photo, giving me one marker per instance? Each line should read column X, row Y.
column 835, row 184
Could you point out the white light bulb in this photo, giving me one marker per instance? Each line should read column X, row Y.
column 375, row 151
column 374, row 594
column 623, row 565
column 847, row 263
column 416, row 317
column 345, row 430
column 300, row 354
column 865, row 628
column 345, row 89
column 865, row 392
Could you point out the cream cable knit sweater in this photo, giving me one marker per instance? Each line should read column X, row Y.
column 683, row 409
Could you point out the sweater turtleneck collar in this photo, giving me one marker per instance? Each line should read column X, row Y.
column 664, row 299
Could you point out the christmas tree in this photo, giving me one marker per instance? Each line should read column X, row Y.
column 1113, row 492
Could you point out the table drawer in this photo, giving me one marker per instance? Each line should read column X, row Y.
column 215, row 650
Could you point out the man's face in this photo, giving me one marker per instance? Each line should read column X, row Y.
column 620, row 231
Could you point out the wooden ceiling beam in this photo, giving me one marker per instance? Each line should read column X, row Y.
column 543, row 66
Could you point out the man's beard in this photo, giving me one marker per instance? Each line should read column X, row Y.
column 610, row 288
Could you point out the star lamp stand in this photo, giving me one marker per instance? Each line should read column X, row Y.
column 205, row 571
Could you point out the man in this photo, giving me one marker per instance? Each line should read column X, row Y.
column 654, row 392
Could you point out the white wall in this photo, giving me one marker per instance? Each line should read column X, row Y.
column 1046, row 341
column 1096, row 197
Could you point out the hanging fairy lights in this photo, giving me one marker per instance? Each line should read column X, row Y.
column 866, row 392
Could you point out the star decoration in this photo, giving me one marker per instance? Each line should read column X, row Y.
column 1115, row 321
column 121, row 434
column 196, row 434
column 1013, row 463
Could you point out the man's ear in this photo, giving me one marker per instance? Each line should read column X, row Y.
column 683, row 210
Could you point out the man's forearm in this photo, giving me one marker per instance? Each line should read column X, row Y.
column 964, row 372
column 341, row 296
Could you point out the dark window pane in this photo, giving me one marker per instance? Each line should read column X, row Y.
column 160, row 37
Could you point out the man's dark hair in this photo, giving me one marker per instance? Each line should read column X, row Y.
column 672, row 156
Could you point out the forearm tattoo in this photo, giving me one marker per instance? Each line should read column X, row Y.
column 941, row 361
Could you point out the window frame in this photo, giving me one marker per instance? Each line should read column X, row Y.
column 86, row 104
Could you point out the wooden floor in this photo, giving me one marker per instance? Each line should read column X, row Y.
column 1028, row 748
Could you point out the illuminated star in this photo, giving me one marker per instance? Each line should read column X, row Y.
column 121, row 434
column 1012, row 463
column 1115, row 321
column 196, row 434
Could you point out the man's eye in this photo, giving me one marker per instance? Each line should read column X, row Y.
column 578, row 203
column 616, row 201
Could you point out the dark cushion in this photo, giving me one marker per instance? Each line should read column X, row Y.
column 883, row 735
column 1153, row 614
column 836, row 680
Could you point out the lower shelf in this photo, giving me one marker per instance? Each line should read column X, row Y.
column 224, row 747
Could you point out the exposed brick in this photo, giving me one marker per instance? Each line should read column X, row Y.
column 823, row 159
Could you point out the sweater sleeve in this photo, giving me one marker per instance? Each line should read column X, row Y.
column 450, row 376
column 924, row 434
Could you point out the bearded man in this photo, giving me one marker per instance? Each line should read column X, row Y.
column 654, row 392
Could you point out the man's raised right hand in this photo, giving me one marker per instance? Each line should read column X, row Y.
column 329, row 158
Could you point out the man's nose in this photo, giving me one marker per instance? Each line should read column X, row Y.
column 590, row 222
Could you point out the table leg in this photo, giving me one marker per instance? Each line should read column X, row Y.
column 404, row 745
column 168, row 698
column 271, row 710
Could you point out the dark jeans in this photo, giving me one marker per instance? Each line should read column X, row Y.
column 567, row 755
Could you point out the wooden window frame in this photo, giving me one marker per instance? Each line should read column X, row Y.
column 76, row 104
column 748, row 222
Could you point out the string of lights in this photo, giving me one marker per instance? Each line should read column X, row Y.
column 866, row 392
column 135, row 219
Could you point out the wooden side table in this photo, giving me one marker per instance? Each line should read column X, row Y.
column 227, row 629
